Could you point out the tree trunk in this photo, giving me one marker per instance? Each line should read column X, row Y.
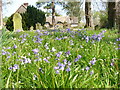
column 111, row 14
column 1, row 22
column 118, row 15
column 53, row 13
column 88, row 14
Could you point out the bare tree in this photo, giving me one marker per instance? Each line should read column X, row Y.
column 111, row 14
column 118, row 14
column 88, row 14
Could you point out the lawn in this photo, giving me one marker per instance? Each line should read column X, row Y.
column 60, row 59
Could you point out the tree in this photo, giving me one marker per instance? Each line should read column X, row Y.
column 50, row 5
column 118, row 15
column 73, row 8
column 111, row 14
column 88, row 14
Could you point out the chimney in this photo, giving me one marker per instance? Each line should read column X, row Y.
column 25, row 4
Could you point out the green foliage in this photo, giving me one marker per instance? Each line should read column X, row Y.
column 33, row 16
column 29, row 18
column 9, row 23
column 103, row 20
column 40, row 74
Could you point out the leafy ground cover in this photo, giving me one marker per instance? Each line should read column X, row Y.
column 60, row 59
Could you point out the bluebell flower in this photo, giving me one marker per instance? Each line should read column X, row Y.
column 46, row 60
column 15, row 46
column 112, row 64
column 87, row 68
column 56, row 67
column 65, row 61
column 57, row 71
column 91, row 72
column 35, row 51
column 40, row 69
column 68, row 69
column 87, row 39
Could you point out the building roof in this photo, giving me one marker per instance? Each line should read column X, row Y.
column 22, row 8
column 63, row 19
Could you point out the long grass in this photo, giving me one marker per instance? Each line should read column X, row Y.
column 25, row 67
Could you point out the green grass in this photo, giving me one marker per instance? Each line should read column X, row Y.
column 105, row 52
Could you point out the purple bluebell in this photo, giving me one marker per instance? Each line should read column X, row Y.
column 69, row 63
column 46, row 60
column 34, row 77
column 56, row 67
column 58, row 54
column 91, row 72
column 68, row 69
column 40, row 69
column 15, row 46
column 78, row 57
column 87, row 39
column 57, row 71
column 92, row 62
column 35, row 51
column 10, row 68
column 67, row 53
column 118, row 39
column 65, row 61
column 4, row 52
column 87, row 68
column 112, row 64
column 62, row 68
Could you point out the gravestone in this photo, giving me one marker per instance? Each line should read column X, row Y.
column 17, row 22
column 31, row 28
column 38, row 26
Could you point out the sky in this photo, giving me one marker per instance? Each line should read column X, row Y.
column 11, row 8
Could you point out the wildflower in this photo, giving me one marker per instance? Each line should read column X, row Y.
column 68, row 69
column 93, row 61
column 34, row 77
column 57, row 71
column 62, row 68
column 68, row 53
column 92, row 72
column 40, row 69
column 25, row 60
column 56, row 67
column 69, row 63
column 15, row 46
column 10, row 68
column 46, row 60
column 71, row 42
column 78, row 57
column 87, row 39
column 53, row 49
column 87, row 68
column 65, row 61
column 58, row 54
column 4, row 52
column 14, row 68
column 112, row 64
column 35, row 51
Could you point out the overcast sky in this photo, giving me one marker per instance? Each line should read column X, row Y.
column 11, row 8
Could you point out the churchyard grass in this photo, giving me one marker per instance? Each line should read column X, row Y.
column 60, row 59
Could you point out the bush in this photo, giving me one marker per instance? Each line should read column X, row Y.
column 29, row 18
